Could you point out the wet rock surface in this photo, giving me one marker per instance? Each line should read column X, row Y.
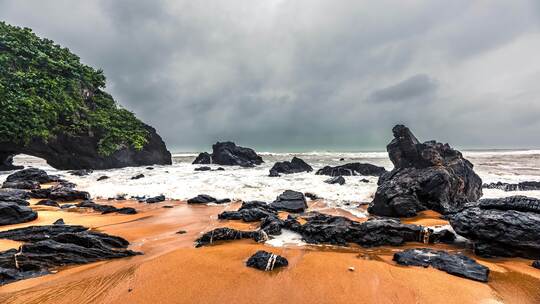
column 455, row 264
column 522, row 186
column 105, row 209
column 340, row 180
column 536, row 264
column 290, row 201
column 266, row 261
column 229, row 154
column 229, row 234
column 13, row 213
column 249, row 212
column 505, row 227
column 207, row 199
column 296, row 165
column 48, row 202
column 352, row 169
column 427, row 175
column 155, row 199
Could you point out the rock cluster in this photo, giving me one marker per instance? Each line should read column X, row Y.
column 296, row 165
column 229, row 154
column 522, row 186
column 352, row 169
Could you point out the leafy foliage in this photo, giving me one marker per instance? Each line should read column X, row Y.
column 45, row 90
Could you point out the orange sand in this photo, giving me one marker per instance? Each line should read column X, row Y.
column 173, row 271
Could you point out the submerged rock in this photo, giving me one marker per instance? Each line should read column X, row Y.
column 506, row 227
column 522, row 186
column 228, row 234
column 427, row 175
column 352, row 169
column 290, row 201
column 455, row 264
column 13, row 213
column 336, row 180
column 229, row 154
column 296, row 165
column 207, row 199
column 266, row 261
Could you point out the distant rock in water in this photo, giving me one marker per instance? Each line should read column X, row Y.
column 522, row 186
column 13, row 213
column 296, row 165
column 506, row 227
column 207, row 199
column 428, row 175
column 81, row 172
column 266, row 261
column 290, row 201
column 138, row 176
column 155, row 199
column 336, row 180
column 229, row 154
column 455, row 264
column 352, row 169
column 48, row 202
column 203, row 168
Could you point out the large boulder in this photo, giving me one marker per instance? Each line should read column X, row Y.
column 13, row 213
column 251, row 211
column 290, row 201
column 296, row 165
column 229, row 154
column 31, row 175
column 352, row 169
column 506, row 227
column 428, row 175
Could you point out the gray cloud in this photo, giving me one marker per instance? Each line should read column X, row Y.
column 304, row 74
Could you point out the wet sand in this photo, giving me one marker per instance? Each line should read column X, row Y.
column 173, row 271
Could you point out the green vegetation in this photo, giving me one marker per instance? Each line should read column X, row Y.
column 45, row 91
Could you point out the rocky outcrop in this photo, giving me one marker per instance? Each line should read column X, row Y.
column 105, row 209
column 70, row 152
column 455, row 264
column 352, row 169
column 290, row 201
column 428, row 175
column 522, row 186
column 207, row 199
column 229, row 154
column 48, row 247
column 266, row 261
column 506, row 227
column 228, row 234
column 296, row 165
column 13, row 213
column 340, row 180
column 32, row 175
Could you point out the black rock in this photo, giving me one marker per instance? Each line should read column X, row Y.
column 31, row 174
column 536, row 264
column 336, row 180
column 120, row 197
column 266, row 261
column 81, row 172
column 67, row 194
column 272, row 225
column 106, row 209
column 352, row 169
column 126, row 210
column 138, row 176
column 48, row 202
column 13, row 213
column 26, row 185
column 9, row 195
column 455, row 264
column 312, row 196
column 207, row 199
column 290, row 201
column 156, row 199
column 59, row 222
column 167, row 207
column 149, row 168
column 426, row 176
column 39, row 233
column 249, row 212
column 220, row 169
column 6, row 161
column 501, row 227
column 229, row 154
column 103, row 177
column 205, row 168
column 522, row 186
column 296, row 165
column 342, row 159
column 227, row 234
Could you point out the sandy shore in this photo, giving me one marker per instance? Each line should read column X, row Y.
column 173, row 271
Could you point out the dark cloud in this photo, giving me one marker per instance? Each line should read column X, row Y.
column 308, row 74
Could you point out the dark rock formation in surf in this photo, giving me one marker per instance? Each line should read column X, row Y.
column 251, row 211
column 296, row 165
column 505, row 227
column 155, row 199
column 522, row 186
column 352, row 169
column 266, row 261
column 427, row 175
column 204, row 168
column 105, row 209
column 207, row 199
column 13, row 213
column 455, row 264
column 290, row 201
column 229, row 154
column 336, row 180
column 228, row 234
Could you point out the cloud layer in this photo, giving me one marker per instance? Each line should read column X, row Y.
column 310, row 74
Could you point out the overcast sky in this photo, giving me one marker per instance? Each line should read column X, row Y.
column 310, row 74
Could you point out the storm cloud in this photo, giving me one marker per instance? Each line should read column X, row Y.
column 309, row 74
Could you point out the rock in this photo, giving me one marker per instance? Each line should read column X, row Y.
column 120, row 197
column 455, row 264
column 105, row 209
column 352, row 169
column 67, row 194
column 167, row 207
column 59, row 222
column 205, row 168
column 363, row 180
column 290, row 201
column 536, row 264
column 207, row 199
column 312, row 196
column 220, row 169
column 181, row 232
column 227, row 234
column 13, row 213
column 48, row 202
column 522, row 186
column 272, row 225
column 81, row 172
column 229, row 154
column 31, row 174
column 149, row 168
column 505, row 227
column 138, row 176
column 426, row 176
column 156, row 199
column 25, row 185
column 336, row 180
column 342, row 159
column 249, row 212
column 266, row 261
column 103, row 177
column 6, row 161
column 126, row 210
column 13, row 195
column 39, row 233
column 296, row 165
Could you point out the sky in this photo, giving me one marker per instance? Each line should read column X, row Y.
column 304, row 75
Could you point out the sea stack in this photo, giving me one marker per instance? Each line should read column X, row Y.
column 229, row 154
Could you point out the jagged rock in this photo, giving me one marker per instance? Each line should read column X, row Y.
column 229, row 154
column 156, row 199
column 336, row 180
column 9, row 195
column 13, row 213
column 501, row 227
column 103, row 177
column 249, row 212
column 39, row 233
column 266, row 261
column 48, row 202
column 522, row 186
column 352, row 169
column 455, row 264
column 205, row 168
column 67, row 194
column 31, row 174
column 207, row 199
column 426, row 176
column 59, row 222
column 25, row 185
column 81, row 172
column 138, row 176
column 272, row 225
column 105, row 209
column 296, row 165
column 536, row 264
column 290, row 201
column 227, row 234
